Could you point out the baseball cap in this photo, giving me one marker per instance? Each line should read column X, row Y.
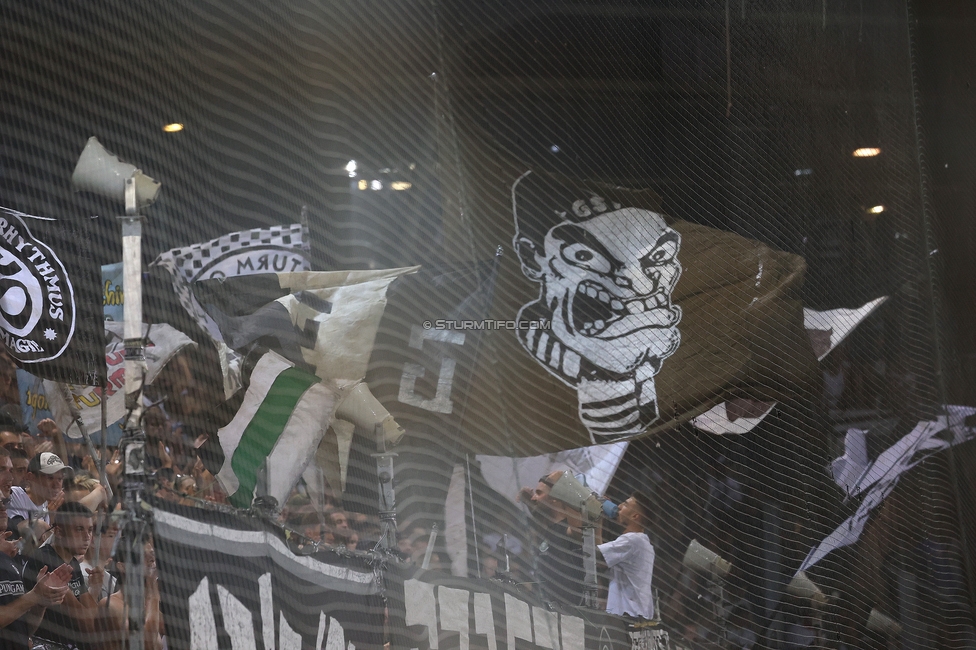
column 47, row 463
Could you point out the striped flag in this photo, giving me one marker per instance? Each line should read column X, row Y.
column 250, row 252
column 276, row 431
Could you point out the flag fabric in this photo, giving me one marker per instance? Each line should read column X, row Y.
column 33, row 400
column 426, row 358
column 261, row 250
column 325, row 322
column 275, row 432
column 69, row 402
column 848, row 469
column 879, row 479
column 826, row 329
column 596, row 463
column 50, row 312
column 616, row 321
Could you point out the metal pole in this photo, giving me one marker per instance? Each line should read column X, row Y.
column 387, row 493
column 590, row 584
column 134, row 443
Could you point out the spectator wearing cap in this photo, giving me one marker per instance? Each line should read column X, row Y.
column 45, row 492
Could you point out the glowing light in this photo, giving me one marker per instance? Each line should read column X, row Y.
column 376, row 185
column 878, row 209
column 554, row 148
column 401, row 185
column 363, row 184
column 173, row 128
column 351, row 168
column 866, row 152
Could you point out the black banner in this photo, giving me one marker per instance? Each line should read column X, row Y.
column 230, row 582
column 431, row 611
column 51, row 320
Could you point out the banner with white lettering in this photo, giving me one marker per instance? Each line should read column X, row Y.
column 433, row 611
column 50, row 315
column 231, row 582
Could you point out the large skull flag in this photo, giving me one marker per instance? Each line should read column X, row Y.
column 634, row 322
column 650, row 321
column 606, row 273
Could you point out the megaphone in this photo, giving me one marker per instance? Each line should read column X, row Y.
column 878, row 622
column 699, row 558
column 101, row 172
column 803, row 587
column 576, row 495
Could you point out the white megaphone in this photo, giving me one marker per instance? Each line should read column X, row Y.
column 699, row 558
column 102, row 173
column 801, row 586
column 878, row 622
column 577, row 496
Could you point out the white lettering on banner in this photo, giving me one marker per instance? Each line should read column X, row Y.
column 203, row 627
column 574, row 633
column 336, row 637
column 518, row 623
column 421, row 608
column 454, row 612
column 545, row 626
column 239, row 622
column 288, row 639
column 484, row 619
column 441, row 402
column 267, row 610
column 37, row 306
column 535, row 625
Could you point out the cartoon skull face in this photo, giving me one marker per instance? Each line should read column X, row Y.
column 608, row 282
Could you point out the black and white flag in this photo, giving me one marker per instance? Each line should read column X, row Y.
column 50, row 297
column 280, row 249
column 879, row 478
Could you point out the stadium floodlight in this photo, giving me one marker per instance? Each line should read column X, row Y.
column 700, row 559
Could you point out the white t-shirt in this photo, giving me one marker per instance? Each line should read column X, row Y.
column 21, row 506
column 631, row 561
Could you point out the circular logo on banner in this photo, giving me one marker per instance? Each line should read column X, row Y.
column 37, row 303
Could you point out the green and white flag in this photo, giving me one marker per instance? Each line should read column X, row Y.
column 276, row 431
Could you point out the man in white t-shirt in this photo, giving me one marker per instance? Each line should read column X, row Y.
column 630, row 558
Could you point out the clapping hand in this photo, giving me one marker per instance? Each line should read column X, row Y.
column 51, row 587
column 7, row 547
column 96, row 578
column 56, row 501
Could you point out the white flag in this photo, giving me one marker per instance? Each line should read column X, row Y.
column 163, row 342
column 280, row 249
column 881, row 476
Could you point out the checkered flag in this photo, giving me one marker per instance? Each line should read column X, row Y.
column 261, row 250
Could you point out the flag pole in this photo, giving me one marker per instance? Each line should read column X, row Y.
column 134, row 443
column 387, row 493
